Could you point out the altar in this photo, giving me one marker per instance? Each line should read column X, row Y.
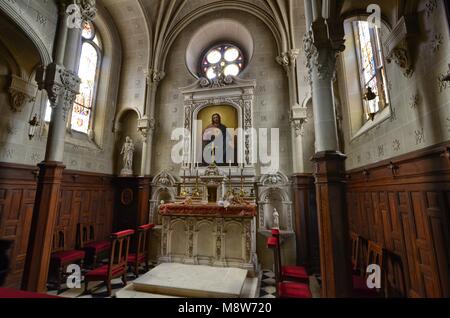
column 209, row 234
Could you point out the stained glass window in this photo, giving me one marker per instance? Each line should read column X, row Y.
column 222, row 60
column 89, row 63
column 371, row 65
column 87, row 72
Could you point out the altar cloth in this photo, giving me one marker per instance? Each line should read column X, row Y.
column 210, row 210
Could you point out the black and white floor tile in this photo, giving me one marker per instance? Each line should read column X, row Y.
column 99, row 290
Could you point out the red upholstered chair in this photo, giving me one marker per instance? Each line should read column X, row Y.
column 117, row 266
column 289, row 273
column 61, row 257
column 87, row 241
column 140, row 254
column 375, row 255
column 286, row 289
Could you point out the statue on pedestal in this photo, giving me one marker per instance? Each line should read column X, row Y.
column 276, row 220
column 127, row 152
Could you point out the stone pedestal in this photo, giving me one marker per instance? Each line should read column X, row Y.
column 42, row 226
column 333, row 225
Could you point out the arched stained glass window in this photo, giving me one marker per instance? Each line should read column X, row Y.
column 88, row 69
column 222, row 60
column 371, row 67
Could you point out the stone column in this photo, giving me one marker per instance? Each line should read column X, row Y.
column 321, row 51
column 62, row 85
column 298, row 114
column 148, row 123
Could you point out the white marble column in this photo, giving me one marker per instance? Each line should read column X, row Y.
column 321, row 59
column 148, row 124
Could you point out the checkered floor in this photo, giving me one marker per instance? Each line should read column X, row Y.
column 268, row 286
column 99, row 290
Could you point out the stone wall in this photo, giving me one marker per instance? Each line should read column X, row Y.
column 420, row 112
column 81, row 153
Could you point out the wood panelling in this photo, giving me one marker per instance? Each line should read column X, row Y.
column 85, row 197
column 404, row 204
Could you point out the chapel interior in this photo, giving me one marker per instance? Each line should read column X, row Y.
column 225, row 148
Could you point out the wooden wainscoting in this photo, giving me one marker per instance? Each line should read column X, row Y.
column 17, row 194
column 85, row 197
column 404, row 204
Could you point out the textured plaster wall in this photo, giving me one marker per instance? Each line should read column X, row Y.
column 15, row 147
column 420, row 112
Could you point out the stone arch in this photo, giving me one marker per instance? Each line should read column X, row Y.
column 28, row 30
column 258, row 12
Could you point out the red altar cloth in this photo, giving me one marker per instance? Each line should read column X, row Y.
column 210, row 210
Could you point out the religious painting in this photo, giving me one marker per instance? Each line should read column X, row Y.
column 218, row 134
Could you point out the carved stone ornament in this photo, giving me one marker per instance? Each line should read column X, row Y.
column 61, row 85
column 288, row 59
column 21, row 92
column 154, row 76
column 298, row 119
column 217, row 82
column 146, row 127
column 397, row 44
column 88, row 9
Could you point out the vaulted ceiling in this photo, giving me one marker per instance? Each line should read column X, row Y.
column 148, row 28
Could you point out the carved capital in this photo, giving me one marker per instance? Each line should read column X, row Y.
column 21, row 92
column 62, row 86
column 321, row 51
column 298, row 119
column 288, row 60
column 87, row 9
column 146, row 127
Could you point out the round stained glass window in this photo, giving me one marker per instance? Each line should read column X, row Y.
column 222, row 60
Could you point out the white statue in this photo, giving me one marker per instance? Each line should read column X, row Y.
column 276, row 220
column 127, row 152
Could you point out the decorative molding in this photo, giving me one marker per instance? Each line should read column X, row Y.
column 21, row 92
column 239, row 93
column 397, row 44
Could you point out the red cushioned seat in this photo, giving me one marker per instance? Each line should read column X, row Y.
column 101, row 273
column 272, row 242
column 293, row 290
column 360, row 288
column 275, row 232
column 68, row 256
column 14, row 293
column 146, row 227
column 123, row 233
column 132, row 258
column 98, row 247
column 295, row 272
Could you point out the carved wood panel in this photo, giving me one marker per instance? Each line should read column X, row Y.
column 84, row 198
column 409, row 214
